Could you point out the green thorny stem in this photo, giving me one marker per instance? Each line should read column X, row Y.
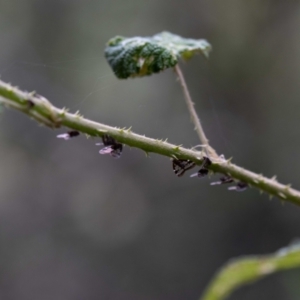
column 194, row 117
column 41, row 110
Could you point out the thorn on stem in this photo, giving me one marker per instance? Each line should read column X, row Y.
column 228, row 161
column 287, row 187
column 282, row 195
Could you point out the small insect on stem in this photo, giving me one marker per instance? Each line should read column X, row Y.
column 203, row 169
column 112, row 147
column 223, row 180
column 182, row 165
column 201, row 173
column 239, row 187
column 68, row 135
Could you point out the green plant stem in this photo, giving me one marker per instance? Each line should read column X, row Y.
column 41, row 110
column 194, row 117
column 246, row 270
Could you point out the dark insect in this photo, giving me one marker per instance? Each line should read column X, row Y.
column 112, row 147
column 223, row 180
column 206, row 162
column 68, row 135
column 201, row 173
column 108, row 140
column 182, row 165
column 30, row 104
column 203, row 169
column 240, row 187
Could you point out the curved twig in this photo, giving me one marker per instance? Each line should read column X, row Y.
column 195, row 119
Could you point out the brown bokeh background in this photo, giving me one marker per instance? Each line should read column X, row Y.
column 78, row 225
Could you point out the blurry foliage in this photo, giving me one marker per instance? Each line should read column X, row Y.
column 245, row 270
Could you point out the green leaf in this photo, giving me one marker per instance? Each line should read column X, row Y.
column 140, row 56
column 246, row 270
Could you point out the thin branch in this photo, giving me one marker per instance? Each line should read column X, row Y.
column 195, row 119
column 41, row 110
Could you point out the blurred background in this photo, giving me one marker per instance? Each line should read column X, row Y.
column 78, row 225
